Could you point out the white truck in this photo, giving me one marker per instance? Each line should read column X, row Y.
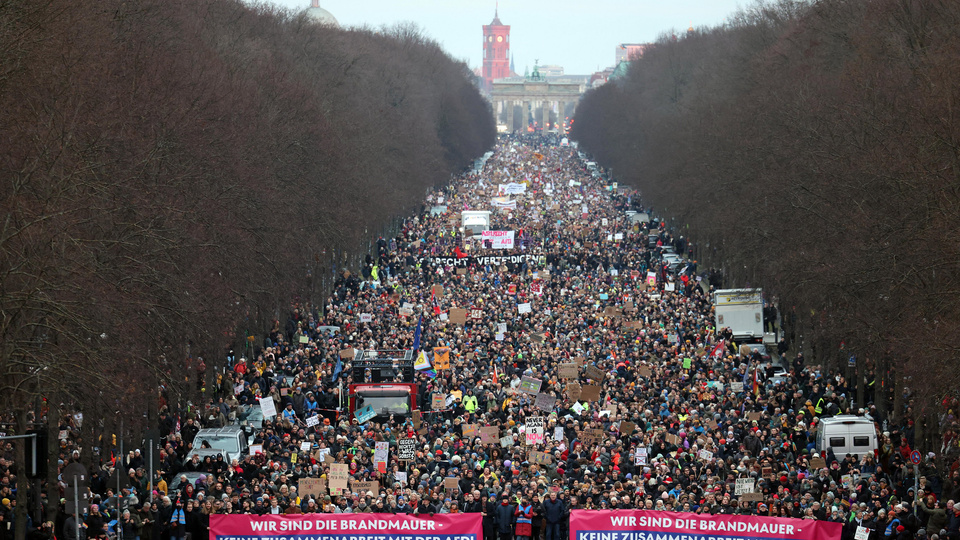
column 742, row 311
column 476, row 220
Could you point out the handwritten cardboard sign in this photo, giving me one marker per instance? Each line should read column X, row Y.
column 595, row 373
column 545, row 402
column 569, row 370
column 314, row 487
column 590, row 392
column 489, row 434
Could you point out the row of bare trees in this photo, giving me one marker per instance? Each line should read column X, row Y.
column 813, row 148
column 173, row 168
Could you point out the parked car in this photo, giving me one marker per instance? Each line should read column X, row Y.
column 231, row 441
column 176, row 484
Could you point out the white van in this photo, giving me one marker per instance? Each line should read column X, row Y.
column 846, row 434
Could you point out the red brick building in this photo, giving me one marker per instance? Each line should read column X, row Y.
column 496, row 52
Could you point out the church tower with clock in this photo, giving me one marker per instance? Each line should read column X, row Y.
column 496, row 51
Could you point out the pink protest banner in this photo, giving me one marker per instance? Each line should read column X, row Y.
column 346, row 526
column 647, row 525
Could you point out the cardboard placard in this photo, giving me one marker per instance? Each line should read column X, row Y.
column 545, row 402
column 489, row 434
column 590, row 392
column 595, row 373
column 314, row 487
column 579, row 360
column 362, row 488
column 437, row 290
column 458, row 315
column 817, row 462
column 766, row 472
column 461, row 271
column 506, row 442
column 569, row 371
column 339, row 476
column 644, row 371
column 541, row 458
column 573, row 391
column 417, row 419
column 672, row 439
column 612, row 312
column 753, row 416
column 752, row 497
column 592, row 436
column 347, row 353
column 450, row 484
column 438, row 401
column 627, row 428
column 470, row 430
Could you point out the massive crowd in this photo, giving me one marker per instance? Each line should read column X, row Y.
column 642, row 339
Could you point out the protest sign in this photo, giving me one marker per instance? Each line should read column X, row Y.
column 744, row 485
column 545, row 402
column 268, row 407
column 312, row 487
column 530, row 385
column 406, row 449
column 569, row 371
column 595, row 373
column 338, row 477
column 589, row 392
column 533, row 430
column 489, row 434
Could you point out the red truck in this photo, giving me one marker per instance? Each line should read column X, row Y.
column 383, row 380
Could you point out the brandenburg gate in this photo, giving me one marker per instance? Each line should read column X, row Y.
column 538, row 96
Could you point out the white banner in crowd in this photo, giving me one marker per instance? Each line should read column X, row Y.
column 503, row 202
column 498, row 239
column 513, row 188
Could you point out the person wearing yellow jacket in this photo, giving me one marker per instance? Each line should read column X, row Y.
column 470, row 402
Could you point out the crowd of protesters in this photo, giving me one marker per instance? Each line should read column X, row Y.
column 601, row 297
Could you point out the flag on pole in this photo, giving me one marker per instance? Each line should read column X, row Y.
column 496, row 377
column 436, row 305
column 756, row 382
column 416, row 334
column 338, row 369
column 717, row 349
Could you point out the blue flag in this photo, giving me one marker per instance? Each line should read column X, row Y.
column 416, row 334
column 338, row 369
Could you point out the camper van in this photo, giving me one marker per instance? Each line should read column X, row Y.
column 846, row 434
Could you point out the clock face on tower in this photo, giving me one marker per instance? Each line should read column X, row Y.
column 499, row 39
column 490, row 39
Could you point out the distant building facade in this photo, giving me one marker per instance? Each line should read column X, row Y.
column 628, row 51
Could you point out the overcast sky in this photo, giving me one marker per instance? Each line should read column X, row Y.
column 578, row 35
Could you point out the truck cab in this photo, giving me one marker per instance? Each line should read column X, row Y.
column 384, row 381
